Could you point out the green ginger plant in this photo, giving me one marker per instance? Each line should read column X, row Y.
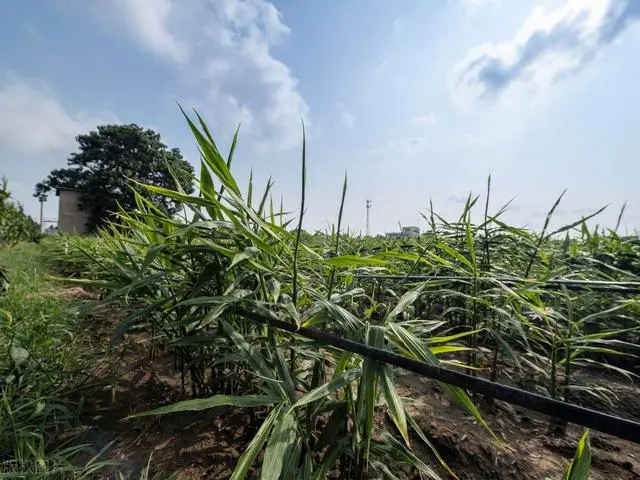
column 193, row 283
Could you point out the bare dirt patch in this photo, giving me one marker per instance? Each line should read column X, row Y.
column 531, row 452
column 191, row 445
column 196, row 445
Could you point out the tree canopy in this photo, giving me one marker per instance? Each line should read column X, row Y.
column 107, row 160
column 15, row 225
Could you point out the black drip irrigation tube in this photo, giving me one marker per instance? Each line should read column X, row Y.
column 602, row 422
column 629, row 288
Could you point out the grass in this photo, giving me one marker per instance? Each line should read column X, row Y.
column 41, row 361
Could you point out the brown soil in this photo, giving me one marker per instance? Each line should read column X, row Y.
column 530, row 453
column 192, row 445
column 208, row 444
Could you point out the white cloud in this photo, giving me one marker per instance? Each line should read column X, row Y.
column 148, row 21
column 225, row 46
column 347, row 119
column 472, row 3
column 34, row 121
column 405, row 145
column 457, row 199
column 426, row 120
column 551, row 45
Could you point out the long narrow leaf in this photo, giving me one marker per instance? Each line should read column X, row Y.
column 247, row 458
column 211, row 402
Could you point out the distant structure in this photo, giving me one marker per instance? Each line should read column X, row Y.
column 409, row 231
column 368, row 208
column 51, row 230
column 70, row 218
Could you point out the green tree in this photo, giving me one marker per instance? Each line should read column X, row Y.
column 15, row 225
column 107, row 160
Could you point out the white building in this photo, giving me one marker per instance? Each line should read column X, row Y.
column 410, row 231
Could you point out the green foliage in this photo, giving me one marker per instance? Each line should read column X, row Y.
column 579, row 468
column 108, row 159
column 194, row 283
column 15, row 225
column 40, row 363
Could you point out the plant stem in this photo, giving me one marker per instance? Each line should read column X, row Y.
column 335, row 252
column 299, row 230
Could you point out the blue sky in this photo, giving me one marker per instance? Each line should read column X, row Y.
column 414, row 99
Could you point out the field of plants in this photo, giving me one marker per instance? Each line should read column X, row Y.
column 141, row 353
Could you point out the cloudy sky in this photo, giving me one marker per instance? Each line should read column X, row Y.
column 414, row 99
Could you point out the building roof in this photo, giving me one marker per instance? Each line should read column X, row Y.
column 66, row 189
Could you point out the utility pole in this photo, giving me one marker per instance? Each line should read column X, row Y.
column 41, row 214
column 368, row 209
